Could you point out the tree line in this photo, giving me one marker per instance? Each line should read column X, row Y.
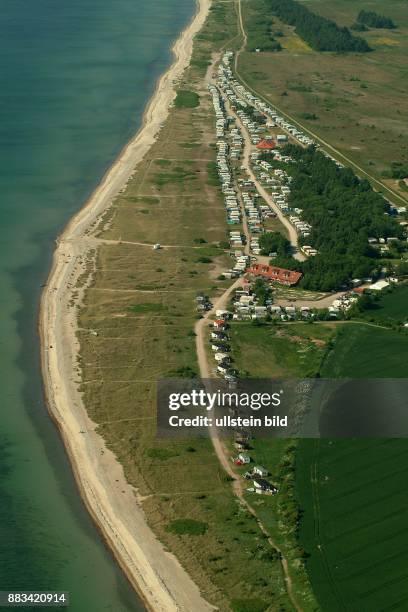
column 374, row 20
column 320, row 33
column 274, row 242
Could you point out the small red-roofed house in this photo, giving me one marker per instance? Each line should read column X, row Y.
column 219, row 324
column 266, row 145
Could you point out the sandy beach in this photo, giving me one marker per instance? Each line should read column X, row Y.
column 156, row 574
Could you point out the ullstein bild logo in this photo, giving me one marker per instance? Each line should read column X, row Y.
column 309, row 408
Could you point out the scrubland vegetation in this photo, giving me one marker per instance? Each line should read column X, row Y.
column 374, row 20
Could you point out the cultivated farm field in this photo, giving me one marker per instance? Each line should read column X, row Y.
column 367, row 351
column 353, row 493
column 354, row 497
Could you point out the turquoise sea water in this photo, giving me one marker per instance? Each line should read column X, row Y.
column 75, row 76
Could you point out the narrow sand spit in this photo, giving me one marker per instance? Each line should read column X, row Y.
column 156, row 574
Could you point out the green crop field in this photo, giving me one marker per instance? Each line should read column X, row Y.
column 353, row 492
column 392, row 306
column 395, row 304
column 367, row 351
column 355, row 522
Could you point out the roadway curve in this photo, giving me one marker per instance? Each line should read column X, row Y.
column 201, row 331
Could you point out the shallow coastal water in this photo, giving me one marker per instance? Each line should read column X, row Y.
column 75, row 76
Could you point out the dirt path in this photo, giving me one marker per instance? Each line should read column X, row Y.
column 201, row 328
column 201, row 331
column 149, row 244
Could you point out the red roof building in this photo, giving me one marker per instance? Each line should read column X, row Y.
column 266, row 145
column 272, row 273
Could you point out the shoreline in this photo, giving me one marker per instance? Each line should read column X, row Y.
column 155, row 574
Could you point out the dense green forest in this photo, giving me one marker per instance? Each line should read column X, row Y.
column 374, row 20
column 274, row 242
column 320, row 33
column 344, row 212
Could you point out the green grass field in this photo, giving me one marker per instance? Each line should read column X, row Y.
column 278, row 513
column 186, row 99
column 351, row 493
column 294, row 350
column 395, row 304
column 392, row 307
